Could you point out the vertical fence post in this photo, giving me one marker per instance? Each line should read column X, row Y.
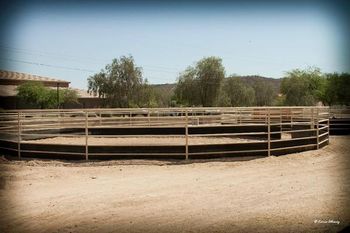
column 331, row 112
column 130, row 123
column 149, row 117
column 268, row 133
column 99, row 113
column 291, row 119
column 281, row 121
column 59, row 118
column 239, row 116
column 328, row 127
column 312, row 119
column 19, row 134
column 186, row 132
column 317, row 128
column 86, row 136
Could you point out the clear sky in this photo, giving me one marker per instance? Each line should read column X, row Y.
column 72, row 41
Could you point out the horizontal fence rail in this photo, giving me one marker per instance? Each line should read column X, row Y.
column 163, row 132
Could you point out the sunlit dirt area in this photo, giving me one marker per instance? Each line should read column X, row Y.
column 301, row 192
column 140, row 140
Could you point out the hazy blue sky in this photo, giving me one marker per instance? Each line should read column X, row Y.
column 72, row 41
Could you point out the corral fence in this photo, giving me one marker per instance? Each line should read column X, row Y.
column 339, row 120
column 163, row 132
column 339, row 112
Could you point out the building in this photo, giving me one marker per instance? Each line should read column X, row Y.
column 85, row 100
column 10, row 80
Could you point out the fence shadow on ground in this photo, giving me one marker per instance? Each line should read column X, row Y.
column 122, row 162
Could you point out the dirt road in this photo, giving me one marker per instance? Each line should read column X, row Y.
column 303, row 192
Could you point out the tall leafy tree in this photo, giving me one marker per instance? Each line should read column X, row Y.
column 264, row 93
column 236, row 93
column 187, row 91
column 209, row 75
column 200, row 85
column 337, row 89
column 303, row 87
column 120, row 83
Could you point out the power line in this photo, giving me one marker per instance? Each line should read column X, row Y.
column 80, row 59
column 49, row 54
column 67, row 67
column 60, row 67
column 77, row 68
column 161, row 69
column 49, row 65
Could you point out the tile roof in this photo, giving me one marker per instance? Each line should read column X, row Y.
column 11, row 75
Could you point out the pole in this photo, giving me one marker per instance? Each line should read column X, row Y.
column 59, row 118
column 130, row 123
column 268, row 134
column 281, row 123
column 291, row 119
column 239, row 117
column 328, row 128
column 186, row 136
column 312, row 119
column 100, row 115
column 19, row 134
column 317, row 129
column 58, row 95
column 86, row 137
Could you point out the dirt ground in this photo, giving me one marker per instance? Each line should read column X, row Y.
column 140, row 140
column 302, row 192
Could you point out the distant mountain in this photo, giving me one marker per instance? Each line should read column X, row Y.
column 163, row 93
column 167, row 87
column 251, row 79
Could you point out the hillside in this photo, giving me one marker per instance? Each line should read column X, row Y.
column 169, row 88
column 163, row 93
column 251, row 79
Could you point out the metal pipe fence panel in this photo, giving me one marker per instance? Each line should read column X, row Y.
column 224, row 129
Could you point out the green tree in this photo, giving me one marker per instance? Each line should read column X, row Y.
column 224, row 100
column 200, row 85
column 279, row 100
column 210, row 73
column 121, row 84
column 163, row 94
column 303, row 87
column 236, row 93
column 66, row 96
column 145, row 97
column 264, row 93
column 33, row 95
column 187, row 92
column 337, row 89
column 343, row 93
column 36, row 95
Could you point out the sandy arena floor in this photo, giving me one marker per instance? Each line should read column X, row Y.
column 303, row 192
column 139, row 140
